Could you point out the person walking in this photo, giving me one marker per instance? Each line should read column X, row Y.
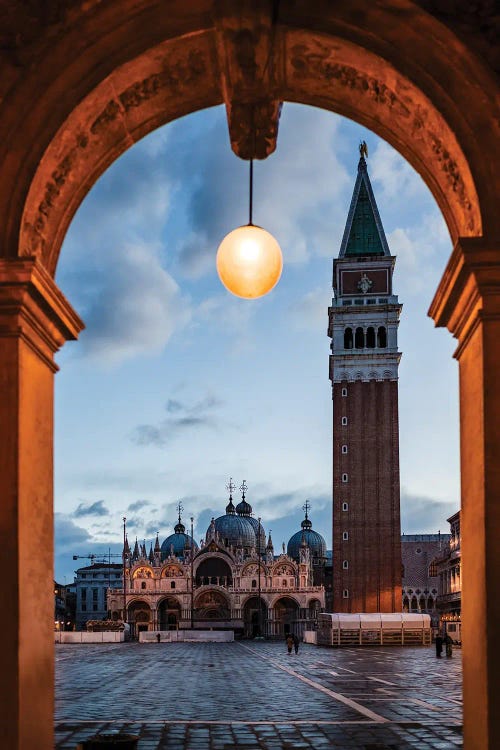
column 439, row 645
column 449, row 645
column 296, row 641
column 289, row 642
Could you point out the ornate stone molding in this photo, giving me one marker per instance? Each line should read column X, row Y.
column 246, row 48
column 469, row 291
column 33, row 308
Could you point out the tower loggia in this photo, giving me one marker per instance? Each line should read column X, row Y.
column 363, row 326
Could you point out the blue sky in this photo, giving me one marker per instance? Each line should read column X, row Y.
column 175, row 384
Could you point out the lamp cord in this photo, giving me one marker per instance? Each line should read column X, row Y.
column 250, row 206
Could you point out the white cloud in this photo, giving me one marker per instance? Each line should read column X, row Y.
column 135, row 309
column 395, row 178
column 309, row 311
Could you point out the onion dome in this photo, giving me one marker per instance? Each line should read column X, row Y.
column 179, row 541
column 244, row 509
column 307, row 536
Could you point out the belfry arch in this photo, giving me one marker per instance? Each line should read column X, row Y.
column 82, row 81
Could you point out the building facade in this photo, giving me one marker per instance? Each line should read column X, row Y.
column 91, row 586
column 420, row 578
column 363, row 327
column 233, row 581
column 448, row 566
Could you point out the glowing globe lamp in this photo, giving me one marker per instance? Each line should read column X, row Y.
column 249, row 262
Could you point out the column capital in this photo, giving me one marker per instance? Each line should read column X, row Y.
column 469, row 291
column 33, row 308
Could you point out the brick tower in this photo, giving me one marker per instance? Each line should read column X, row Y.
column 363, row 326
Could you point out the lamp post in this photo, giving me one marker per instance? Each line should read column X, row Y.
column 260, row 600
column 124, row 574
column 192, row 583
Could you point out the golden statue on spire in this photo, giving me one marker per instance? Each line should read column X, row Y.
column 363, row 150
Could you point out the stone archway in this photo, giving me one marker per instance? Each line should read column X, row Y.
column 285, row 616
column 254, row 624
column 82, row 81
column 139, row 617
column 169, row 614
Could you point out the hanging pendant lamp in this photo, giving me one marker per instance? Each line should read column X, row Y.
column 249, row 259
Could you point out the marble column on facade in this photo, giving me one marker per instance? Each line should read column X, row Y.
column 467, row 302
column 35, row 321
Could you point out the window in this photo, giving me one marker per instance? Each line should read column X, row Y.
column 345, row 477
column 344, row 392
column 84, row 575
column 348, row 338
column 346, row 302
column 345, row 564
column 254, row 584
column 84, row 593
column 143, row 585
column 95, row 593
column 359, row 339
column 345, row 506
column 345, row 536
column 433, row 569
column 172, row 584
column 346, row 594
column 370, row 337
column 344, row 449
column 283, row 583
column 382, row 337
column 95, row 607
column 344, row 421
column 84, row 607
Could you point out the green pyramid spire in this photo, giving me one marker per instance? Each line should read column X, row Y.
column 364, row 234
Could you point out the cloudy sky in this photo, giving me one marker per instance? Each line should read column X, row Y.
column 176, row 385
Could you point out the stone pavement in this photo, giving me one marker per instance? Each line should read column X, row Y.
column 243, row 695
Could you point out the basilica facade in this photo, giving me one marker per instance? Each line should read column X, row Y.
column 232, row 581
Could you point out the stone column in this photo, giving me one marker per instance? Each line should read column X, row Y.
column 35, row 320
column 467, row 302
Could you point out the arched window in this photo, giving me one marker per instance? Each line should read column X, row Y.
column 433, row 571
column 143, row 585
column 283, row 583
column 382, row 337
column 348, row 338
column 254, row 584
column 172, row 584
column 370, row 337
column 359, row 338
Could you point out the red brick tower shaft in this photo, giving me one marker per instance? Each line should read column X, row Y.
column 363, row 325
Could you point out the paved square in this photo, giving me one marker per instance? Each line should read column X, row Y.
column 232, row 696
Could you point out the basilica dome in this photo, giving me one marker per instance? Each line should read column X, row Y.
column 311, row 538
column 177, row 542
column 234, row 530
column 244, row 509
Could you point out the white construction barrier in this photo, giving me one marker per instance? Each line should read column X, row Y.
column 106, row 636
column 310, row 636
column 186, row 636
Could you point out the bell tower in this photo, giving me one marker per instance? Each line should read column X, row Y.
column 363, row 326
